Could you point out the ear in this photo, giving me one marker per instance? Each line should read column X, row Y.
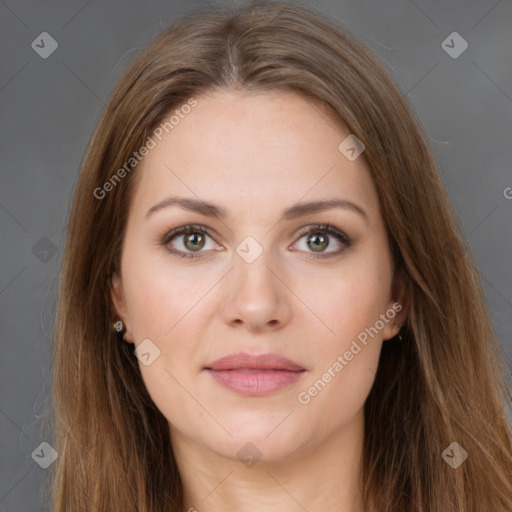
column 399, row 305
column 119, row 303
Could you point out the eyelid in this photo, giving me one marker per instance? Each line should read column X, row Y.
column 185, row 229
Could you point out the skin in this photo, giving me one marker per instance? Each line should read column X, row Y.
column 256, row 154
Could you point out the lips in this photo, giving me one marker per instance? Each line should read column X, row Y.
column 255, row 375
column 242, row 361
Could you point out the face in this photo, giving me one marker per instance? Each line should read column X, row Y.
column 253, row 280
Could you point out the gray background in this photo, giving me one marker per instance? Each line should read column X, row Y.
column 50, row 106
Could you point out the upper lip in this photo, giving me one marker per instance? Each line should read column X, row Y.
column 242, row 360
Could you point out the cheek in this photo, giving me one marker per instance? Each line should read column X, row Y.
column 349, row 338
column 161, row 297
column 347, row 302
column 166, row 307
column 345, row 360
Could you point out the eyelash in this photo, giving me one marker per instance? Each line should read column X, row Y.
column 315, row 228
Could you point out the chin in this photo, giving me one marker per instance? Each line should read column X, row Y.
column 265, row 440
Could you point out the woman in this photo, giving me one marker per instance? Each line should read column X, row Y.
column 298, row 323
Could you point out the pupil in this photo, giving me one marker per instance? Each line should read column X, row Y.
column 194, row 239
column 316, row 237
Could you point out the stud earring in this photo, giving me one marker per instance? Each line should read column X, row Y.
column 119, row 328
column 399, row 329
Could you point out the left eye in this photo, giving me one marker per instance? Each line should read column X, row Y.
column 317, row 239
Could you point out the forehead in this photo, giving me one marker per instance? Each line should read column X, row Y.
column 253, row 152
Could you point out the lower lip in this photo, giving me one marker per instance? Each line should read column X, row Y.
column 255, row 382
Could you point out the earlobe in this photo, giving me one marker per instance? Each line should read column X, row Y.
column 397, row 309
column 396, row 321
column 119, row 305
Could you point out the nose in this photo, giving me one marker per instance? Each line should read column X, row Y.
column 256, row 296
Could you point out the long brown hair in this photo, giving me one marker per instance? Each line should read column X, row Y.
column 443, row 383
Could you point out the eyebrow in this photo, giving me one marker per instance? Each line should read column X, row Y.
column 293, row 212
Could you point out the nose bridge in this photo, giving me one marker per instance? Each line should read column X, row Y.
column 252, row 263
column 256, row 297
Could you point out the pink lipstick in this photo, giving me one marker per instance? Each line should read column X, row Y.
column 255, row 375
